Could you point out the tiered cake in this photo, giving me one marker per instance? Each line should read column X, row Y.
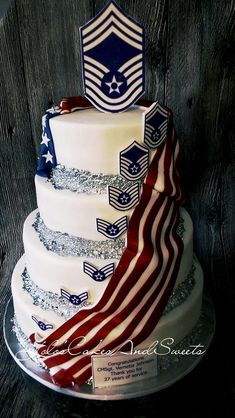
column 109, row 251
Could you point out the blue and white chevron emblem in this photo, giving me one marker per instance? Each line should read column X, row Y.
column 42, row 324
column 74, row 299
column 112, row 46
column 124, row 199
column 99, row 275
column 112, row 230
column 134, row 162
column 155, row 125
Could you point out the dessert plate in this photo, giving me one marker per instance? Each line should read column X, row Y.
column 171, row 367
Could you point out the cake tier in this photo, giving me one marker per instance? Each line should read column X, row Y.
column 181, row 314
column 52, row 271
column 91, row 140
column 74, row 213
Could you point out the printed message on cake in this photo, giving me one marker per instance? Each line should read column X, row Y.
column 122, row 369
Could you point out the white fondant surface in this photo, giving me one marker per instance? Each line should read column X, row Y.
column 52, row 272
column 92, row 140
column 74, row 213
column 176, row 324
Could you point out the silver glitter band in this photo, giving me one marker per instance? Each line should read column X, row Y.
column 68, row 245
column 164, row 362
column 83, row 181
column 49, row 301
column 181, row 292
column 180, row 228
column 26, row 344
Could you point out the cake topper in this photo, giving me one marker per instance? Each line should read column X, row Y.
column 112, row 46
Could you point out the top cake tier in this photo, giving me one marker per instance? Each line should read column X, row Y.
column 91, row 140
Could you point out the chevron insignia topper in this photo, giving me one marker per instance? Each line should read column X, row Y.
column 155, row 125
column 112, row 46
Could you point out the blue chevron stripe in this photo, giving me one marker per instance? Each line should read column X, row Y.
column 156, row 125
column 112, row 230
column 98, row 274
column 124, row 199
column 124, row 39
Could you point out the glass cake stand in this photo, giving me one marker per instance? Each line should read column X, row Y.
column 171, row 367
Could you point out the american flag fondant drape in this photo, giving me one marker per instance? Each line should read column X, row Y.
column 139, row 289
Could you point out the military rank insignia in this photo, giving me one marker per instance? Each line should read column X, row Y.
column 124, row 199
column 112, row 46
column 134, row 161
column 155, row 125
column 99, row 275
column 42, row 324
column 74, row 299
column 112, row 230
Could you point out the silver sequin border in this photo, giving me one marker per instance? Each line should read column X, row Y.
column 64, row 244
column 49, row 301
column 83, row 181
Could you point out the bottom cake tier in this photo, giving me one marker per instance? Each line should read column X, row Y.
column 41, row 312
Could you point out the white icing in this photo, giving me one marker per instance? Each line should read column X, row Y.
column 91, row 140
column 74, row 213
column 175, row 324
column 52, row 272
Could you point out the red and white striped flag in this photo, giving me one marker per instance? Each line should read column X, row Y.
column 140, row 287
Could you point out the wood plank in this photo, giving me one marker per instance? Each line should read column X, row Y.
column 152, row 15
column 49, row 34
column 17, row 195
column 200, row 78
column 200, row 90
column 227, row 231
column 17, row 158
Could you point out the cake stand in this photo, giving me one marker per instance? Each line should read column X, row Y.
column 171, row 367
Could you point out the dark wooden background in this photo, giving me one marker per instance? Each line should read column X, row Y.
column 190, row 52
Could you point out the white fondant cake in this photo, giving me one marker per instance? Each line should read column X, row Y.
column 73, row 269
